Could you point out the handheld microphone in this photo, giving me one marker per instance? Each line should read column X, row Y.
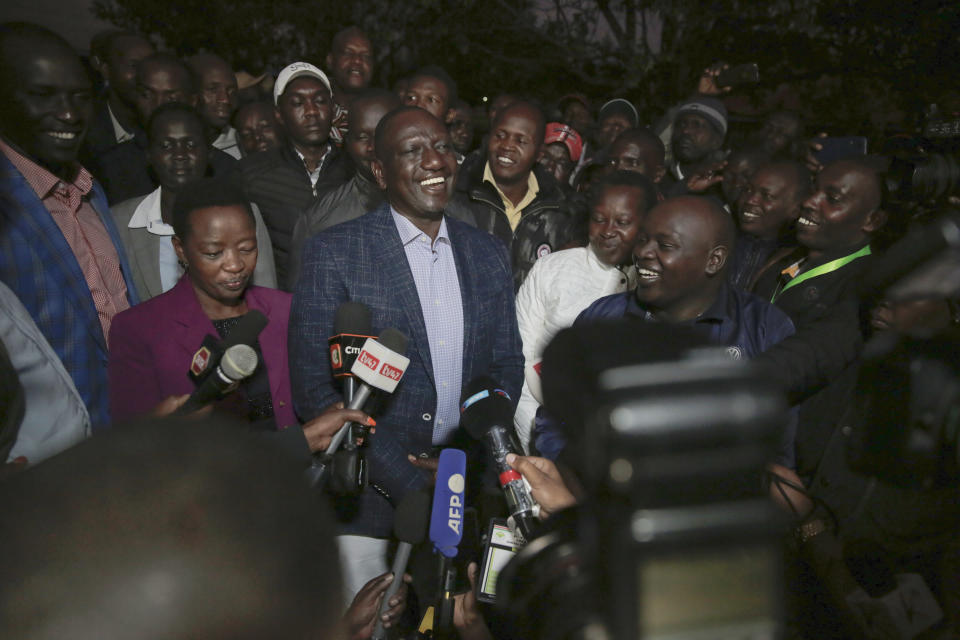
column 410, row 528
column 207, row 357
column 487, row 414
column 446, row 529
column 379, row 365
column 352, row 326
column 238, row 362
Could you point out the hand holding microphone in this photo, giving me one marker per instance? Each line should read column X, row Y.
column 379, row 366
column 546, row 485
column 486, row 412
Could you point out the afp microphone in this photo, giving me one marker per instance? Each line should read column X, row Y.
column 238, row 362
column 446, row 530
column 409, row 527
column 487, row 414
column 352, row 326
column 379, row 365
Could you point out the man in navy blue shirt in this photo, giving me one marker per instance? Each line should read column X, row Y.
column 682, row 251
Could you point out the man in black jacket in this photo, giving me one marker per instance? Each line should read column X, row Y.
column 818, row 286
column 115, row 56
column 513, row 198
column 286, row 181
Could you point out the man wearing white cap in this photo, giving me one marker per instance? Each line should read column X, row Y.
column 285, row 181
column 699, row 129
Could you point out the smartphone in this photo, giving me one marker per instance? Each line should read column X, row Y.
column 833, row 149
column 741, row 74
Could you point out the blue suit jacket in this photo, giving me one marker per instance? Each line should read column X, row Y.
column 363, row 261
column 38, row 265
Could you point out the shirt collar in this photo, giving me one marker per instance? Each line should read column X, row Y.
column 533, row 187
column 719, row 310
column 148, row 216
column 121, row 134
column 40, row 179
column 409, row 231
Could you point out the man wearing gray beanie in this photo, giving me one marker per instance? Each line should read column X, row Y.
column 699, row 129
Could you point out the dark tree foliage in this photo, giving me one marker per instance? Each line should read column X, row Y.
column 854, row 65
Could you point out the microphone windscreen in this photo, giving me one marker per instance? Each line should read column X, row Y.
column 446, row 518
column 394, row 340
column 247, row 329
column 484, row 405
column 239, row 362
column 411, row 517
column 353, row 318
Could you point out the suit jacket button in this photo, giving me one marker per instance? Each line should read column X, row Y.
column 426, row 416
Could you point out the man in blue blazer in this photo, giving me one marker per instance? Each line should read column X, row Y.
column 447, row 286
column 59, row 249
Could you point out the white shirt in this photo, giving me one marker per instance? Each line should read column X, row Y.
column 227, row 142
column 147, row 216
column 121, row 134
column 559, row 286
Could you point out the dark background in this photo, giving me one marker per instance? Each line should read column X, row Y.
column 867, row 68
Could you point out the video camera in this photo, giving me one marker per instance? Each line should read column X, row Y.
column 677, row 537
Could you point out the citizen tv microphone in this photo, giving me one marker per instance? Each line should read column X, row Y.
column 352, row 326
column 379, row 365
column 238, row 362
column 207, row 357
column 410, row 528
column 487, row 414
column 446, row 530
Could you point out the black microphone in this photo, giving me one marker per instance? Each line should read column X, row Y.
column 238, row 362
column 379, row 365
column 410, row 528
column 486, row 412
column 352, row 325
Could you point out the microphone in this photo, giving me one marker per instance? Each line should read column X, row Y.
column 379, row 365
column 410, row 528
column 211, row 350
column 238, row 362
column 446, row 529
column 487, row 414
column 351, row 327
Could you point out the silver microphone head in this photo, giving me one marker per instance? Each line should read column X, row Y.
column 238, row 362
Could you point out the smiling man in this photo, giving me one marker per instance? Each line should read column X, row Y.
column 512, row 196
column 350, row 63
column 767, row 211
column 834, row 231
column 442, row 283
column 683, row 245
column 285, row 181
column 59, row 249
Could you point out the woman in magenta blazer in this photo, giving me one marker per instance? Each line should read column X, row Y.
column 152, row 344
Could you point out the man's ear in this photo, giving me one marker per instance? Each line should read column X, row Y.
column 178, row 249
column 377, row 168
column 329, row 61
column 448, row 117
column 875, row 219
column 540, row 153
column 717, row 259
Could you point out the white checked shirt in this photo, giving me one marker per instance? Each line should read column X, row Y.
column 438, row 286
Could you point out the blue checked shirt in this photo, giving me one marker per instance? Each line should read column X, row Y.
column 435, row 275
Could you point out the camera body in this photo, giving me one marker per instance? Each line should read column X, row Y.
column 677, row 536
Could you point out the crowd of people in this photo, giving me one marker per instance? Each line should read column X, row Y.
column 148, row 203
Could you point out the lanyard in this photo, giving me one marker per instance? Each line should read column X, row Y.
column 828, row 267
